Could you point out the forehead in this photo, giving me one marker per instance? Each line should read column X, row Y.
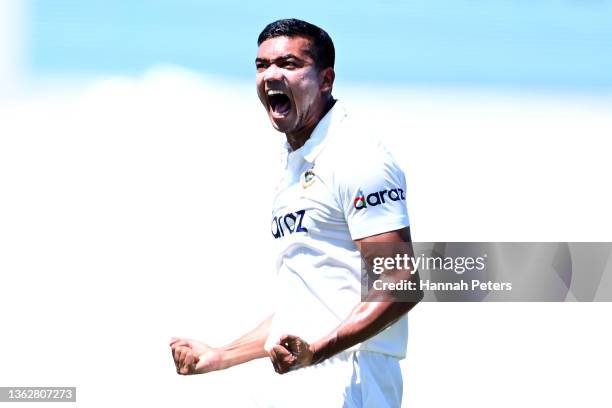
column 279, row 46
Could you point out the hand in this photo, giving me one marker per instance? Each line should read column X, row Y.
column 194, row 357
column 291, row 353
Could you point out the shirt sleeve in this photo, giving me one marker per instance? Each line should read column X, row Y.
column 371, row 190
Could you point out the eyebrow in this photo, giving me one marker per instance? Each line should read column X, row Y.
column 282, row 58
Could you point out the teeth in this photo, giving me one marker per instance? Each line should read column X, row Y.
column 275, row 92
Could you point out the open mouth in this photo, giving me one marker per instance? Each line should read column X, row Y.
column 279, row 102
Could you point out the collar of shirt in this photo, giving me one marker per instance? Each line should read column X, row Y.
column 319, row 137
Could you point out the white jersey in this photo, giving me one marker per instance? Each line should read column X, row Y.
column 337, row 188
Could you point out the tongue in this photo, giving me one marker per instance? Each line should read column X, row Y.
column 280, row 104
column 282, row 107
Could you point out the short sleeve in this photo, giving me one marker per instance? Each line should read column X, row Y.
column 371, row 189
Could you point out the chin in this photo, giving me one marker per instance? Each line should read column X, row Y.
column 277, row 128
column 281, row 127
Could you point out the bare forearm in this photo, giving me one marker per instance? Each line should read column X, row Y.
column 366, row 320
column 248, row 347
column 381, row 308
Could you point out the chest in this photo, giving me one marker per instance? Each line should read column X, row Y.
column 305, row 205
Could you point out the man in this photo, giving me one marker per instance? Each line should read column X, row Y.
column 340, row 196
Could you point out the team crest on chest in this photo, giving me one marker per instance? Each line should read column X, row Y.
column 308, row 178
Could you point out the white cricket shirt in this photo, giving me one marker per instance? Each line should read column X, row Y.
column 338, row 187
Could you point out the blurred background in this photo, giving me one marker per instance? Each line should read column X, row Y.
column 553, row 45
column 137, row 167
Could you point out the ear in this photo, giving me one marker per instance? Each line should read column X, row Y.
column 327, row 77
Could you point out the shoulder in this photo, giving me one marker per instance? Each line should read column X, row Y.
column 355, row 151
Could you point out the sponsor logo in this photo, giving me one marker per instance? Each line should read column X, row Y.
column 380, row 197
column 309, row 178
column 288, row 224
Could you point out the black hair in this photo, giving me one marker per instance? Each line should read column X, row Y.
column 322, row 48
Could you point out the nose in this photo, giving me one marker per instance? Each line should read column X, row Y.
column 273, row 73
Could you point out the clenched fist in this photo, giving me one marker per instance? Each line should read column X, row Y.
column 194, row 357
column 290, row 353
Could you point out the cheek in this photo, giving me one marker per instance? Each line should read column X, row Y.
column 308, row 90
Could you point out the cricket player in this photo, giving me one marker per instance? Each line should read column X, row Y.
column 341, row 199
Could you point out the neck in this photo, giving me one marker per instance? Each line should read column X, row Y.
column 298, row 138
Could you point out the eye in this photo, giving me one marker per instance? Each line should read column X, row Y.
column 261, row 66
column 288, row 65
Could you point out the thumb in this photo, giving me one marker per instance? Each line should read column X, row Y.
column 180, row 343
column 288, row 338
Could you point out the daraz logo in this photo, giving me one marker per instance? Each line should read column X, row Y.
column 362, row 201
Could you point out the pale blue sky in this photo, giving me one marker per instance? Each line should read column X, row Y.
column 558, row 44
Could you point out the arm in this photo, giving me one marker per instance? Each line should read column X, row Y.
column 377, row 312
column 367, row 319
column 193, row 357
